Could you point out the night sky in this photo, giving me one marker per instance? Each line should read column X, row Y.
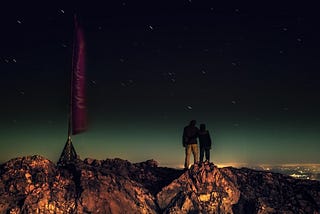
column 249, row 71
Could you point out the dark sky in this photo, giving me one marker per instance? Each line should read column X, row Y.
column 249, row 71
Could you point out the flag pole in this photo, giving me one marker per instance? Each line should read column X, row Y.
column 69, row 153
column 71, row 77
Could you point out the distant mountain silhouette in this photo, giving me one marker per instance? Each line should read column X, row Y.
column 34, row 184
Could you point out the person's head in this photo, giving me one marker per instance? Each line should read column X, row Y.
column 193, row 123
column 202, row 127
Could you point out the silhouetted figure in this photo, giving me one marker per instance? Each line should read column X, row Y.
column 189, row 141
column 205, row 143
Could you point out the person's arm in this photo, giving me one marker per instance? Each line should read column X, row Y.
column 184, row 138
column 210, row 141
column 196, row 135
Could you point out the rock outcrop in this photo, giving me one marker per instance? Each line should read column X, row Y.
column 34, row 184
column 266, row 192
column 201, row 189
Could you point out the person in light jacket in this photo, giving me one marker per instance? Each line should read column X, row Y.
column 189, row 141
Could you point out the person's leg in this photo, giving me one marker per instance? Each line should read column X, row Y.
column 187, row 159
column 201, row 154
column 195, row 153
column 207, row 151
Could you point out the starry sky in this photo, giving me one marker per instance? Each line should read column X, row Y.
column 250, row 72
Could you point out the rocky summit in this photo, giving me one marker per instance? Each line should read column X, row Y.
column 34, row 184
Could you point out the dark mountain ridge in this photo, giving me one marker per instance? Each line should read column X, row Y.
column 34, row 184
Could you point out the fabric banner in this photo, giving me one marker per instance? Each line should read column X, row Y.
column 78, row 103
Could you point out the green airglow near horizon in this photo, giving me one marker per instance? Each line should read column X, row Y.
column 139, row 141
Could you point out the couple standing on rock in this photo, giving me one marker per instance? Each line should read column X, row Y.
column 189, row 141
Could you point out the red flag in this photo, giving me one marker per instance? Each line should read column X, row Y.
column 78, row 102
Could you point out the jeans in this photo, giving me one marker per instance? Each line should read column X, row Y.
column 194, row 149
column 205, row 151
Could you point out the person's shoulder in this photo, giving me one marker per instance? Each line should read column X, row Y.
column 204, row 132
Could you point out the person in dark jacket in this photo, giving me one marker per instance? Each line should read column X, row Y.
column 205, row 143
column 189, row 141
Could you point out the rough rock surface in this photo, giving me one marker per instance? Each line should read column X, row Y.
column 202, row 189
column 34, row 184
column 265, row 192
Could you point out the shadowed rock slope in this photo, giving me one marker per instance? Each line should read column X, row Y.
column 34, row 184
